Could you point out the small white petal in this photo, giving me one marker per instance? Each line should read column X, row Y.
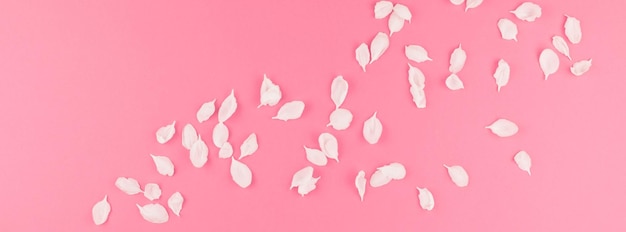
column 503, row 128
column 416, row 77
column 372, row 129
column 419, row 97
column 559, row 43
column 363, row 55
column 416, row 53
column 549, row 62
column 395, row 171
column 175, row 202
column 163, row 165
column 427, row 201
column 378, row 46
column 382, row 9
column 527, row 11
column 508, row 29
column 581, row 67
column 290, row 111
column 128, row 185
column 340, row 119
column 228, row 107
column 457, row 60
column 190, row 136
column 360, row 183
column 199, row 153
column 165, row 133
column 402, row 11
column 301, row 176
column 206, row 111
column 523, row 161
column 220, row 134
column 307, row 186
column 395, row 23
column 471, row 4
column 453, row 82
column 338, row 91
column 154, row 213
column 100, row 211
column 152, row 191
column 315, row 156
column 249, row 146
column 502, row 74
column 379, row 179
column 457, row 2
column 572, row 29
column 458, row 175
column 226, row 151
column 270, row 93
column 240, row 173
column 329, row 145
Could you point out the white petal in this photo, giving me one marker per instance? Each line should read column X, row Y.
column 290, row 110
column 382, row 9
column 416, row 77
column 402, row 11
column 165, row 133
column 128, row 185
column 249, row 146
column 220, row 134
column 270, row 92
column 329, row 145
column 457, row 2
column 395, row 171
column 340, row 119
column 301, row 176
column 581, row 67
column 549, row 62
column 372, row 129
column 502, row 74
column 360, row 183
column 175, row 202
column 503, row 128
column 163, row 165
column 240, row 173
column 457, row 60
column 559, row 43
column 199, row 153
column 100, row 211
column 154, row 213
column 307, row 186
column 226, row 151
column 338, row 91
column 315, row 156
column 206, row 111
column 379, row 179
column 522, row 159
column 378, row 46
column 453, row 82
column 416, row 53
column 419, row 97
column 152, row 191
column 508, row 29
column 190, row 136
column 427, row 201
column 363, row 55
column 458, row 175
column 572, row 29
column 527, row 11
column 228, row 107
column 470, row 4
column 395, row 23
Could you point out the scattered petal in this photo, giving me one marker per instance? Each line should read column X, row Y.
column 458, row 175
column 270, row 92
column 290, row 110
column 340, row 119
column 379, row 179
column 549, row 62
column 572, row 29
column 100, row 211
column 301, row 176
column 471, row 4
column 189, row 136
column 228, row 107
column 503, row 128
column 453, row 82
column 559, row 43
column 163, row 165
column 338, row 91
column 128, row 185
column 502, row 74
column 360, row 183
column 152, row 191
column 395, row 171
column 523, row 161
column 378, row 46
column 206, row 111
column 199, row 153
column 508, row 29
column 307, row 186
column 427, row 201
column 457, row 2
column 315, row 156
column 382, row 9
column 416, row 53
column 581, row 67
column 416, row 77
column 457, row 60
column 154, row 213
column 372, row 129
column 527, row 11
column 419, row 97
column 363, row 55
column 175, row 202
column 395, row 23
column 226, row 151
column 402, row 11
column 165, row 133
column 249, row 146
column 220, row 134
column 241, row 173
column 329, row 145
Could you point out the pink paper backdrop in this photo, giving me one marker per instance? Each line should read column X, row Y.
column 85, row 84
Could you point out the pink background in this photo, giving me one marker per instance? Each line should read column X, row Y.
column 85, row 84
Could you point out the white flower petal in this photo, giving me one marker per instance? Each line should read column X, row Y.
column 427, row 201
column 395, row 23
column 416, row 77
column 249, row 146
column 572, row 29
column 419, row 97
column 175, row 202
column 471, row 4
column 457, row 2
column 382, row 9
column 307, row 186
column 340, row 119
column 163, row 165
column 154, row 213
column 402, row 11
column 301, row 176
column 100, row 211
column 457, row 60
column 581, row 67
column 395, row 171
column 458, row 175
column 372, row 129
column 329, row 145
column 228, row 107
column 240, row 173
column 379, row 179
column 226, row 151
column 416, row 53
column 152, row 191
column 190, row 136
column 549, row 62
column 559, row 43
column 453, row 82
column 270, row 93
column 378, row 46
column 206, row 111
column 199, row 153
column 290, row 111
column 508, row 29
column 363, row 55
column 527, row 11
column 360, row 183
column 338, row 91
column 523, row 161
column 503, row 128
column 502, row 74
column 316, row 156
column 165, row 133
column 220, row 134
column 128, row 185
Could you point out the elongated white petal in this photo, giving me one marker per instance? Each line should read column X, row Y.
column 206, row 111
column 363, row 55
column 419, row 97
column 458, row 175
column 470, row 4
column 416, row 53
column 301, row 176
column 329, row 145
column 523, row 161
column 457, row 60
column 220, row 134
column 508, row 29
column 559, row 43
column 379, row 179
column 199, row 153
column 378, row 46
column 152, row 191
column 308, row 186
column 175, row 202
column 581, row 67
column 338, row 91
column 270, row 93
column 395, row 23
column 240, row 173
column 427, row 201
column 226, row 151
column 503, row 128
column 457, row 2
column 360, row 182
column 228, row 107
column 340, row 119
column 572, row 29
column 453, row 82
column 163, row 165
column 128, row 185
column 154, row 213
column 372, row 129
column 189, row 136
column 100, row 211
column 165, row 133
column 395, row 171
column 527, row 11
column 290, row 111
column 382, row 9
column 502, row 74
column 416, row 77
column 402, row 11
column 316, row 156
column 249, row 146
column 549, row 62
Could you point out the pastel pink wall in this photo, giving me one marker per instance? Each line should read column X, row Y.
column 85, row 84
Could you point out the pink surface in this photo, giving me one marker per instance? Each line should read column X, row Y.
column 85, row 84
